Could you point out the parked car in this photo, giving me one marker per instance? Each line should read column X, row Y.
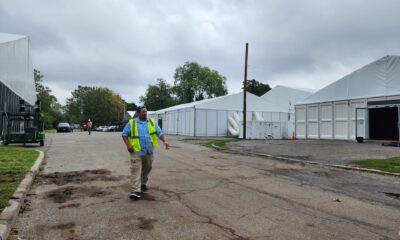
column 76, row 126
column 101, row 128
column 111, row 128
column 64, row 127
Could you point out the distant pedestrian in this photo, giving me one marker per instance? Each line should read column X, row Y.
column 89, row 126
column 140, row 137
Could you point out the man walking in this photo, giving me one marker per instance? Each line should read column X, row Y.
column 89, row 126
column 140, row 137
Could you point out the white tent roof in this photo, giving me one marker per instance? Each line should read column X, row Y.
column 377, row 79
column 286, row 96
column 16, row 70
column 6, row 37
column 232, row 102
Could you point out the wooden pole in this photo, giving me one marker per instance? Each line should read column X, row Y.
column 244, row 92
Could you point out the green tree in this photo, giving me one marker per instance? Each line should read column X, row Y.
column 158, row 96
column 101, row 105
column 50, row 108
column 194, row 82
column 257, row 88
column 130, row 106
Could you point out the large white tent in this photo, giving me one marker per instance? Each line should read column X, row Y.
column 210, row 117
column 363, row 104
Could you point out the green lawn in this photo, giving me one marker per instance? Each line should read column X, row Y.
column 220, row 143
column 15, row 162
column 50, row 131
column 388, row 165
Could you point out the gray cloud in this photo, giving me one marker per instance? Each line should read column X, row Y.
column 126, row 45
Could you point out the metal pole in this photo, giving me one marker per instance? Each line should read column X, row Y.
column 244, row 92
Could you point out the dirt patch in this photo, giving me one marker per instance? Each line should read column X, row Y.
column 147, row 197
column 72, row 205
column 67, row 231
column 26, row 207
column 62, row 195
column 146, row 223
column 63, row 178
column 98, row 193
column 65, row 194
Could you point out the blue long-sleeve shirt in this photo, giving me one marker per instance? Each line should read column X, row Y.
column 144, row 136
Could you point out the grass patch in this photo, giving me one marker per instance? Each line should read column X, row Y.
column 220, row 143
column 15, row 162
column 388, row 165
column 50, row 131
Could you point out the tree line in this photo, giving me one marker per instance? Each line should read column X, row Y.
column 192, row 82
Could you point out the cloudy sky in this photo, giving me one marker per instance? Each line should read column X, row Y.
column 126, row 45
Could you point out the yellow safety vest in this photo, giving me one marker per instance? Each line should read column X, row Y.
column 134, row 136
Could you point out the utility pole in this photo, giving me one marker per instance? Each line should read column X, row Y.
column 244, row 92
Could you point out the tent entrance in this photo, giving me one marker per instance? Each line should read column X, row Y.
column 383, row 123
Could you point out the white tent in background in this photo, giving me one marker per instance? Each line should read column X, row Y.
column 210, row 117
column 286, row 96
column 373, row 89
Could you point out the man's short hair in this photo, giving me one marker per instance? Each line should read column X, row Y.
column 140, row 107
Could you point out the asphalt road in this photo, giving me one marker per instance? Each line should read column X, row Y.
column 199, row 193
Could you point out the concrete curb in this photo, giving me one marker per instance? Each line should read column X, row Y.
column 10, row 213
column 308, row 162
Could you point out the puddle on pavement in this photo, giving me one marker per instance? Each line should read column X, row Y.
column 65, row 194
column 146, row 223
column 63, row 178
column 392, row 195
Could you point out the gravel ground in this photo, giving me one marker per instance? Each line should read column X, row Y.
column 323, row 151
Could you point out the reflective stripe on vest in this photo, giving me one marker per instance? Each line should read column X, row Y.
column 134, row 134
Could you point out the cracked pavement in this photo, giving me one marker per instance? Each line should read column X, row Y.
column 200, row 193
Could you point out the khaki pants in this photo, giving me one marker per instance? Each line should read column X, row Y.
column 140, row 169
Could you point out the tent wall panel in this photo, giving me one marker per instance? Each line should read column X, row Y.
column 211, row 130
column 222, row 123
column 312, row 121
column 341, row 115
column 301, row 122
column 201, row 128
column 267, row 116
column 325, row 123
column 276, row 117
column 283, row 117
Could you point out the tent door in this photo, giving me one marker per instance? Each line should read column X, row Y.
column 383, row 123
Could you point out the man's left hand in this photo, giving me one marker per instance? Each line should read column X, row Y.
column 166, row 144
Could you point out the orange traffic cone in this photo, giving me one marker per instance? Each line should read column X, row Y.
column 293, row 136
